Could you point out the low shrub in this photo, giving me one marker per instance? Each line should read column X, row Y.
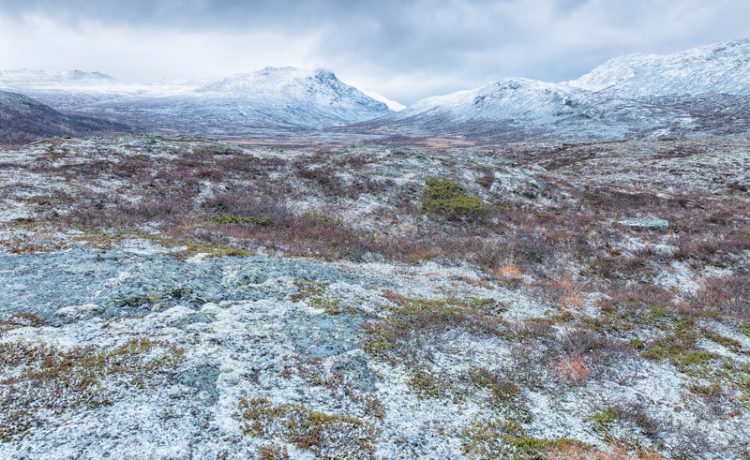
column 449, row 198
column 326, row 435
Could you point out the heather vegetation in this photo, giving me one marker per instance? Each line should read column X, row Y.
column 546, row 300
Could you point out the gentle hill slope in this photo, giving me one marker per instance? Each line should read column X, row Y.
column 23, row 119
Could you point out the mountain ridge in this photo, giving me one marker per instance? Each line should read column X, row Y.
column 638, row 95
column 718, row 68
column 273, row 97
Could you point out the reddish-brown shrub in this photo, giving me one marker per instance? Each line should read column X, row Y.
column 573, row 369
column 728, row 295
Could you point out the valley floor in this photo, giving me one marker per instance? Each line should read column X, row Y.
column 185, row 298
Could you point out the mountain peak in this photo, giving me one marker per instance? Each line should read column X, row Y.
column 286, row 73
column 325, row 75
column 278, row 71
column 291, row 85
column 77, row 74
column 509, row 97
column 271, row 78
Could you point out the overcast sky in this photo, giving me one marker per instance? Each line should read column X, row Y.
column 404, row 50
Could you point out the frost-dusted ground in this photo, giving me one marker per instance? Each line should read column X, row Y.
column 179, row 298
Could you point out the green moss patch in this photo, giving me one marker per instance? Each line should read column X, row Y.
column 314, row 293
column 394, row 335
column 604, row 421
column 325, row 435
column 450, row 199
column 502, row 390
column 225, row 219
column 496, row 439
column 680, row 348
column 427, row 385
column 183, row 248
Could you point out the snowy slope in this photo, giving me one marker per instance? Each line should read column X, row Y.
column 74, row 90
column 510, row 98
column 514, row 109
column 273, row 97
column 76, row 82
column 390, row 103
column 701, row 90
column 310, row 98
column 46, row 79
column 723, row 68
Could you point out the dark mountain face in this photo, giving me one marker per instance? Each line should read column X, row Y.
column 23, row 119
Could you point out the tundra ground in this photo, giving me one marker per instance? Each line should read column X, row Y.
column 184, row 298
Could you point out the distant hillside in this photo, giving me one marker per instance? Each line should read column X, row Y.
column 700, row 91
column 275, row 97
column 23, row 119
column 723, row 68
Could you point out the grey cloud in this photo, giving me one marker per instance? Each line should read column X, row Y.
column 458, row 44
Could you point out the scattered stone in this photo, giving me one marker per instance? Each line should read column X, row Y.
column 646, row 224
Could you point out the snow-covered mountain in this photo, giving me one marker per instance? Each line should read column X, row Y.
column 392, row 104
column 23, row 119
column 274, row 97
column 701, row 90
column 288, row 95
column 512, row 98
column 49, row 80
column 74, row 90
column 716, row 69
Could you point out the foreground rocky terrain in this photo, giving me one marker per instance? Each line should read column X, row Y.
column 183, row 298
